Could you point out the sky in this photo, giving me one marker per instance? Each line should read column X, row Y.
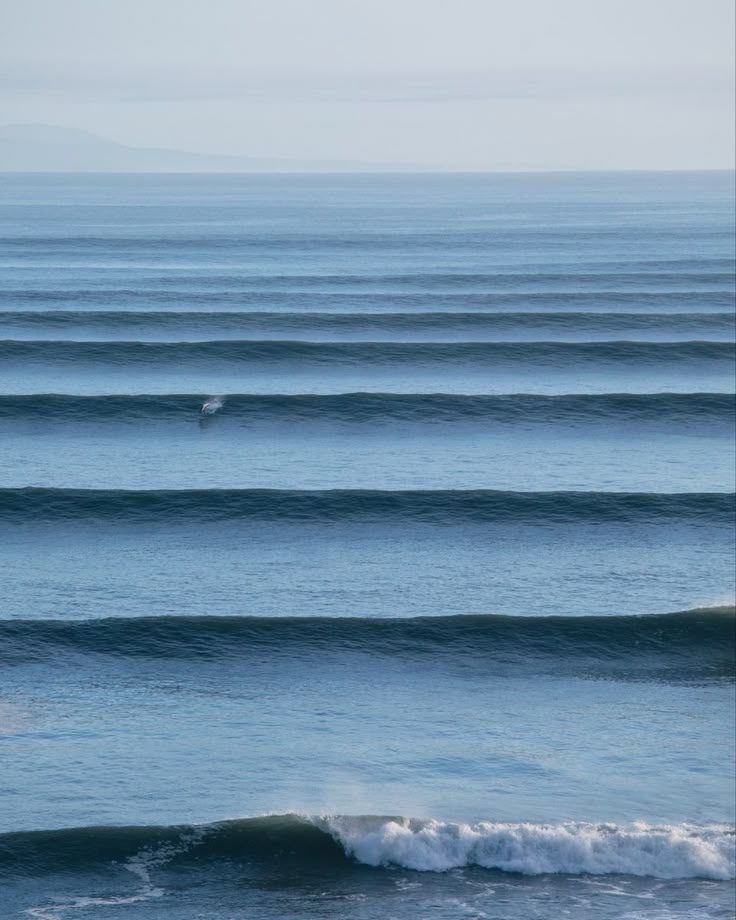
column 447, row 84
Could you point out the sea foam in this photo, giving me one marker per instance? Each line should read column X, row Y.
column 663, row 851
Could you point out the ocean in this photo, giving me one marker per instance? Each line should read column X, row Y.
column 367, row 547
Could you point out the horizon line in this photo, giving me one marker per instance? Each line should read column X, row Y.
column 434, row 171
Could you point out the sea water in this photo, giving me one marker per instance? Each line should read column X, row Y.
column 430, row 612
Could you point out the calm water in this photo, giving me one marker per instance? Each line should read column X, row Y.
column 432, row 614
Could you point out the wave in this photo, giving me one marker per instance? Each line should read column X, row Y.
column 690, row 645
column 440, row 506
column 674, row 851
column 271, row 323
column 185, row 298
column 547, row 355
column 503, row 280
column 654, row 408
column 508, row 238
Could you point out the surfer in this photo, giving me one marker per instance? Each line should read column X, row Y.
column 211, row 405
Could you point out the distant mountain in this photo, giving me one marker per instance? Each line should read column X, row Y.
column 49, row 148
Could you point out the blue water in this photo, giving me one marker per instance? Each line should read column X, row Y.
column 431, row 613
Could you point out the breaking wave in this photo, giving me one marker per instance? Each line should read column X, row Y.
column 676, row 851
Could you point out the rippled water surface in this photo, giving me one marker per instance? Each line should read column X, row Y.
column 367, row 547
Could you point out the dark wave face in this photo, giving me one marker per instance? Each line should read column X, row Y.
column 185, row 299
column 695, row 645
column 429, row 506
column 412, row 326
column 668, row 409
column 468, row 354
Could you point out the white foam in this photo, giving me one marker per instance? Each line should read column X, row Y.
column 56, row 911
column 212, row 404
column 663, row 851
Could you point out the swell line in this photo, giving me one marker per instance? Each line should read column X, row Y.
column 185, row 299
column 250, row 279
column 508, row 238
column 30, row 505
column 689, row 644
column 359, row 408
column 208, row 323
column 485, row 354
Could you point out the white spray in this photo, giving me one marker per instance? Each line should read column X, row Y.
column 212, row 404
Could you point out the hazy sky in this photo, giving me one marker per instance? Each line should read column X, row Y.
column 478, row 84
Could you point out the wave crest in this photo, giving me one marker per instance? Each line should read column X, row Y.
column 667, row 851
column 691, row 409
column 674, row 851
column 691, row 645
column 439, row 506
column 230, row 352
